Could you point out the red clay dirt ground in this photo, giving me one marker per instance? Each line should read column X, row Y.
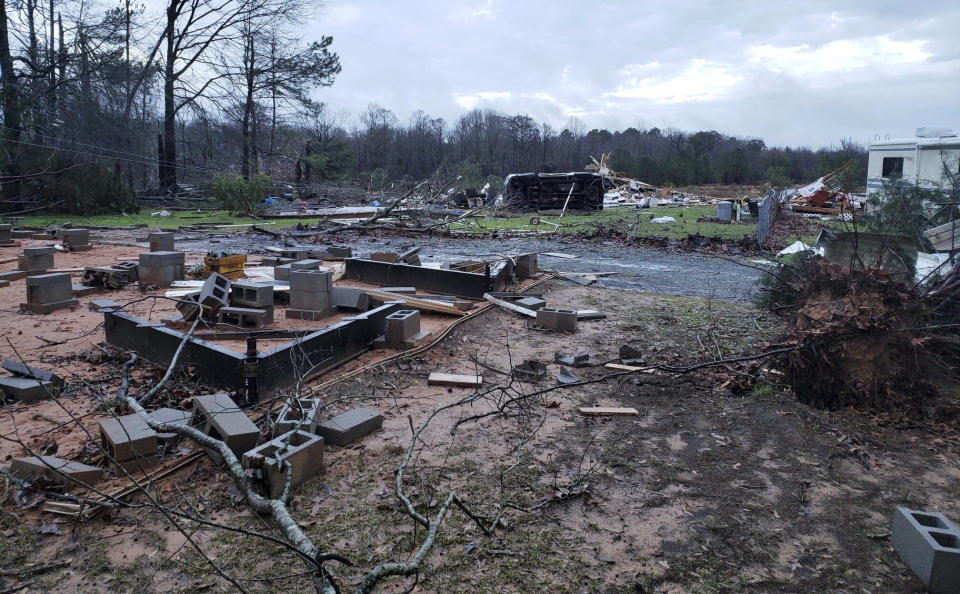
column 706, row 490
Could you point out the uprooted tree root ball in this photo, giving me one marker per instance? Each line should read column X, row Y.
column 869, row 341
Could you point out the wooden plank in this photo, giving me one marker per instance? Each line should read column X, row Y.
column 8, row 260
column 620, row 367
column 413, row 302
column 559, row 255
column 510, row 306
column 455, row 379
column 594, row 411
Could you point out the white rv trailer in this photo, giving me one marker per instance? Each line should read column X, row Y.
column 919, row 160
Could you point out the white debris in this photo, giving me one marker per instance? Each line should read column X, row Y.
column 161, row 213
column 798, row 246
column 662, row 220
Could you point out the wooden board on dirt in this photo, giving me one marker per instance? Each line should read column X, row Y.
column 455, row 379
column 620, row 367
column 596, row 411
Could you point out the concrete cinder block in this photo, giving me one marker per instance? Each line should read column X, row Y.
column 49, row 288
column 402, row 326
column 19, row 369
column 281, row 272
column 162, row 276
column 162, row 258
column 533, row 303
column 99, row 305
column 76, row 240
column 54, row 470
column 166, row 441
column 127, row 437
column 6, row 235
column 214, row 294
column 161, row 241
column 36, row 259
column 244, row 317
column 930, row 546
column 311, row 300
column 337, row 251
column 251, row 295
column 294, row 254
column 27, row 389
column 301, row 450
column 306, row 264
column 300, row 415
column 311, row 279
column 350, row 426
column 526, row 266
column 557, row 319
column 219, row 416
column 346, row 298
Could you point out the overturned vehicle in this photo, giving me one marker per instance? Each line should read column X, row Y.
column 550, row 190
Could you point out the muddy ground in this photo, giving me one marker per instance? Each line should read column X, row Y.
column 709, row 489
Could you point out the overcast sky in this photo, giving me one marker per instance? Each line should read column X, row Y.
column 797, row 73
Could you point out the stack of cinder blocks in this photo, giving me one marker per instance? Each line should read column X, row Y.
column 402, row 330
column 76, row 240
column 55, row 471
column 6, row 235
column 161, row 241
column 302, row 451
column 255, row 299
column 310, row 294
column 282, row 271
column 129, row 442
column 218, row 416
column 160, row 268
column 36, row 260
column 48, row 292
column 930, row 545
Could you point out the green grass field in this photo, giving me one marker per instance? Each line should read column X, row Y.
column 179, row 219
column 686, row 217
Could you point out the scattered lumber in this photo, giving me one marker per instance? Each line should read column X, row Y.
column 454, row 379
column 597, row 411
column 510, row 306
column 421, row 304
column 559, row 255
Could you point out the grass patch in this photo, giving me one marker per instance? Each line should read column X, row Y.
column 179, row 218
column 686, row 223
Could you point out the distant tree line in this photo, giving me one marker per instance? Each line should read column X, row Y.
column 101, row 102
column 501, row 144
